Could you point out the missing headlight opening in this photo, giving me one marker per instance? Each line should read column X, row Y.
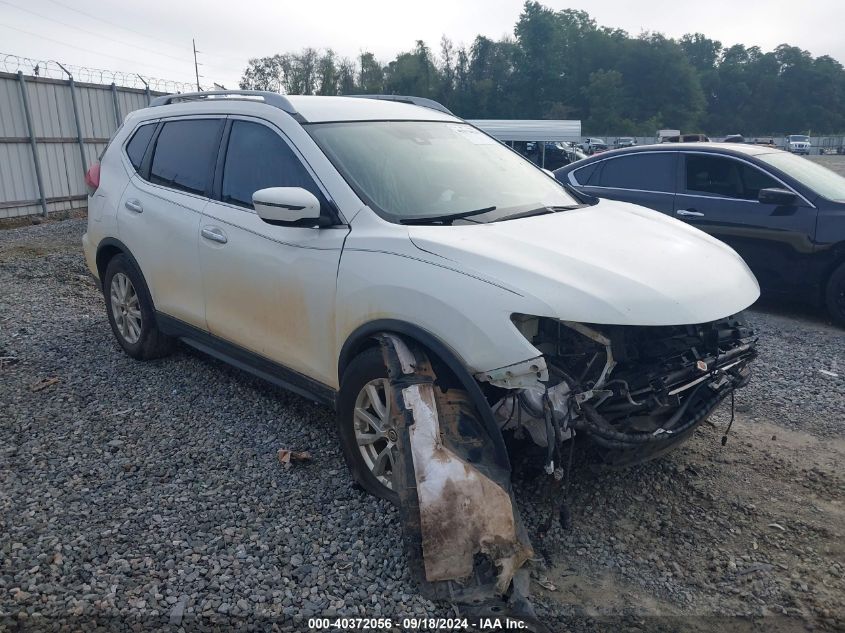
column 633, row 391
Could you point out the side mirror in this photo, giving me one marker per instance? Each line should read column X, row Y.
column 287, row 206
column 780, row 197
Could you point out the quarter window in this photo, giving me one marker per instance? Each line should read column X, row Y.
column 257, row 158
column 137, row 147
column 644, row 172
column 722, row 176
column 585, row 175
column 185, row 153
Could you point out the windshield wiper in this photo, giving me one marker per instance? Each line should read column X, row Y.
column 538, row 211
column 447, row 218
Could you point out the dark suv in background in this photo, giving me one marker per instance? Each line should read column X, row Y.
column 784, row 214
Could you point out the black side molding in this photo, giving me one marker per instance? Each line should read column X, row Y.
column 251, row 362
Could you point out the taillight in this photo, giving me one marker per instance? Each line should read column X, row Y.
column 92, row 178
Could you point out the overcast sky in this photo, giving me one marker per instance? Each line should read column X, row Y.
column 156, row 36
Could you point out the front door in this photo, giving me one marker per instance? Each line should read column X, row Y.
column 269, row 289
column 719, row 194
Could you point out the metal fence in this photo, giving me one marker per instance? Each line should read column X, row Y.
column 52, row 129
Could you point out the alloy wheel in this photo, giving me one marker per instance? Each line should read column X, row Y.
column 375, row 433
column 126, row 308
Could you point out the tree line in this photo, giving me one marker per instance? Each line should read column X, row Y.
column 562, row 65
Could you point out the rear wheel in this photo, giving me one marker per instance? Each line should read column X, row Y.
column 130, row 311
column 367, row 434
column 835, row 295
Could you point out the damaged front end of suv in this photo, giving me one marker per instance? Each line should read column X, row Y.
column 633, row 391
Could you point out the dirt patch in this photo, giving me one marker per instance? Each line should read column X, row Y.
column 752, row 529
column 27, row 251
column 29, row 220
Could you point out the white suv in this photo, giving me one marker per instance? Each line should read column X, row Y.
column 798, row 144
column 289, row 235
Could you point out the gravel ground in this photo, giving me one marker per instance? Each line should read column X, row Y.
column 151, row 492
column 836, row 162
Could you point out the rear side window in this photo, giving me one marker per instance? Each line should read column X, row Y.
column 722, row 176
column 185, row 153
column 643, row 172
column 137, row 147
column 584, row 175
column 257, row 158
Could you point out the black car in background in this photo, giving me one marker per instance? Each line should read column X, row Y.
column 553, row 156
column 784, row 214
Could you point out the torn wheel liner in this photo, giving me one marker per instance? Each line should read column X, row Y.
column 462, row 529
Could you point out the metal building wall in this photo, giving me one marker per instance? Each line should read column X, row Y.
column 530, row 129
column 101, row 108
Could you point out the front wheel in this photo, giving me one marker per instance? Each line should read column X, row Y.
column 835, row 295
column 368, row 436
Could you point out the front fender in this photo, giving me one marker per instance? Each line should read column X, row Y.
column 469, row 315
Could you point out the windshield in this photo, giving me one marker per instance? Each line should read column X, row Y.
column 425, row 169
column 821, row 180
column 799, row 138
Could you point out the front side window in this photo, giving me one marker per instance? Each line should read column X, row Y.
column 726, row 177
column 643, row 172
column 257, row 158
column 413, row 170
column 185, row 154
column 815, row 177
column 137, row 147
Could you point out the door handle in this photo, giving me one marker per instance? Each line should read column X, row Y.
column 134, row 205
column 690, row 212
column 214, row 234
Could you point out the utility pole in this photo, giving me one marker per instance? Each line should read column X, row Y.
column 196, row 65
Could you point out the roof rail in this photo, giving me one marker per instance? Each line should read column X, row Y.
column 270, row 98
column 417, row 101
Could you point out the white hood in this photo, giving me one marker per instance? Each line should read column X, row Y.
column 610, row 263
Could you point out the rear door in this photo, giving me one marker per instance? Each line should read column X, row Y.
column 159, row 214
column 644, row 178
column 719, row 193
column 269, row 289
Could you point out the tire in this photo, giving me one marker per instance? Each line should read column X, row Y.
column 364, row 378
column 835, row 295
column 131, row 313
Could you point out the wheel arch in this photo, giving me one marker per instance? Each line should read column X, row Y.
column 837, row 260
column 837, row 264
column 107, row 249
column 363, row 338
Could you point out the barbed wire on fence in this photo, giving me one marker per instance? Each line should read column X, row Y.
column 55, row 70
